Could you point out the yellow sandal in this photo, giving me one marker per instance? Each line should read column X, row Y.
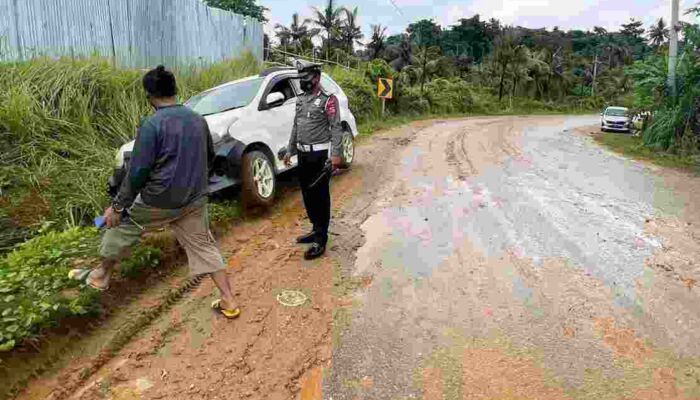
column 228, row 313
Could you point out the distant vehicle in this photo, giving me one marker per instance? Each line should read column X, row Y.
column 616, row 119
column 250, row 122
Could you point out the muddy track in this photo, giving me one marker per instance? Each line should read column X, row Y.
column 511, row 244
column 269, row 351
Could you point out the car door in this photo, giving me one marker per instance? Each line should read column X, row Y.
column 277, row 119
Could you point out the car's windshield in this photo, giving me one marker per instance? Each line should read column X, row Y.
column 226, row 98
column 616, row 112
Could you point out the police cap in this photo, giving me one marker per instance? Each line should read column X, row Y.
column 305, row 67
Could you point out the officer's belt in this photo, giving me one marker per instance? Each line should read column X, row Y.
column 313, row 147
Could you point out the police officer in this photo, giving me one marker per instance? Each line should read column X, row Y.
column 316, row 135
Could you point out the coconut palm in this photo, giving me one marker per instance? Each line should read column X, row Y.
column 376, row 45
column 298, row 34
column 400, row 55
column 329, row 20
column 658, row 34
column 351, row 33
column 425, row 63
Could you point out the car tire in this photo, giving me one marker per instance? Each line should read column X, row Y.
column 347, row 150
column 259, row 181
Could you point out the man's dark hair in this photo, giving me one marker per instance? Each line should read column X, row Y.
column 160, row 82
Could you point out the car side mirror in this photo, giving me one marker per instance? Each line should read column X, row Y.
column 274, row 98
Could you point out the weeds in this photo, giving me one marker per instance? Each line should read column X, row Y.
column 60, row 125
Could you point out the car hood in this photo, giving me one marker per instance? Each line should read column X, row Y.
column 220, row 123
column 617, row 119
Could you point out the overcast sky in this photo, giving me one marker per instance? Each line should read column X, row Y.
column 567, row 14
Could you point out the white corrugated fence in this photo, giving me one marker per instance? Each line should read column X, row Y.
column 134, row 33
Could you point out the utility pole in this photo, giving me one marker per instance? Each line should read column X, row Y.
column 673, row 49
column 595, row 74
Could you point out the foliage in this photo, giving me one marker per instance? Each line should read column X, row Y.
column 449, row 96
column 298, row 35
column 634, row 147
column 60, row 125
column 243, row 7
column 350, row 31
column 141, row 258
column 424, row 65
column 360, row 91
column 223, row 212
column 377, row 43
column 379, row 69
column 675, row 117
column 35, row 290
column 329, row 18
column 659, row 33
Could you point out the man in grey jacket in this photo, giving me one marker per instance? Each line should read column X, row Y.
column 316, row 134
column 166, row 185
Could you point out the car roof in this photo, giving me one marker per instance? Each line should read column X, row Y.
column 269, row 73
column 617, row 108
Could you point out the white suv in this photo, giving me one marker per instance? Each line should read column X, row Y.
column 251, row 121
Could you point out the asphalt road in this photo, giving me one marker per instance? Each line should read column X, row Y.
column 515, row 258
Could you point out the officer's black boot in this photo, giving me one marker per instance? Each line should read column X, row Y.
column 318, row 247
column 308, row 238
column 315, row 251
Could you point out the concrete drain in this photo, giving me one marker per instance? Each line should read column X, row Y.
column 291, row 298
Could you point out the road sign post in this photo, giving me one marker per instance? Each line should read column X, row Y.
column 385, row 90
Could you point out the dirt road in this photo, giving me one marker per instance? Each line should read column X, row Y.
column 471, row 259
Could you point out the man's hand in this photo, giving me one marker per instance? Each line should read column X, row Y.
column 337, row 162
column 112, row 218
column 287, row 159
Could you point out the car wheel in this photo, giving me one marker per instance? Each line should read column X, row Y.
column 347, row 148
column 259, row 182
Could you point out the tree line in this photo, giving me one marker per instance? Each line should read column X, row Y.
column 624, row 66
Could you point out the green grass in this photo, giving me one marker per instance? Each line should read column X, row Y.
column 61, row 122
column 633, row 147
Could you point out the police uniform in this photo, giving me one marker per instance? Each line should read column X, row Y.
column 316, row 135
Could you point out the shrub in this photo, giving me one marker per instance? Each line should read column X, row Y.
column 362, row 95
column 379, row 68
column 410, row 102
column 448, row 96
column 35, row 290
column 61, row 122
column 141, row 258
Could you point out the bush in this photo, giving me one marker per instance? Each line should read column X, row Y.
column 448, row 96
column 61, row 122
column 379, row 68
column 410, row 102
column 361, row 93
column 35, row 290
column 141, row 258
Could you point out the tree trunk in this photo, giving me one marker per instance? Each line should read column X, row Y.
column 500, row 86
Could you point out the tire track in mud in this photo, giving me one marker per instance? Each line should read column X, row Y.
column 260, row 372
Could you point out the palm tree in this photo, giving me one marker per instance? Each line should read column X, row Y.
column 350, row 32
column 424, row 65
column 329, row 20
column 376, row 45
column 519, row 67
column 401, row 55
column 297, row 34
column 658, row 34
column 505, row 53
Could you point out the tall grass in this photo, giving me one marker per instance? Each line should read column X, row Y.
column 60, row 124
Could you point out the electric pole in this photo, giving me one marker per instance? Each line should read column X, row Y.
column 595, row 74
column 673, row 49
